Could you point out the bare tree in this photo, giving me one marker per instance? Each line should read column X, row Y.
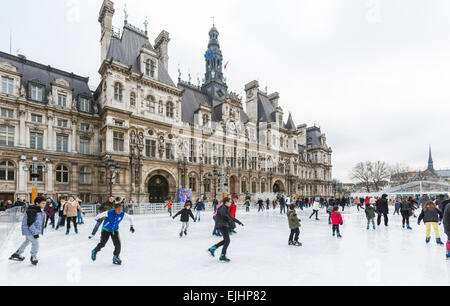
column 400, row 174
column 380, row 171
column 362, row 173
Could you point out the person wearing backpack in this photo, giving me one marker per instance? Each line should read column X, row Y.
column 294, row 225
column 406, row 209
column 431, row 216
column 371, row 212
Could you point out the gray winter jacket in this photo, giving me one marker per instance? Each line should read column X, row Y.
column 33, row 221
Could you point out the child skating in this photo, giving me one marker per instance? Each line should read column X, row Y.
column 336, row 220
column 294, row 225
column 185, row 213
column 431, row 216
column 113, row 218
column 32, row 226
column 371, row 212
column 223, row 223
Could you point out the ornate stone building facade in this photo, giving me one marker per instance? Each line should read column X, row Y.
column 165, row 136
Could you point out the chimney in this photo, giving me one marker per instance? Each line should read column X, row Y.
column 162, row 47
column 105, row 18
column 273, row 98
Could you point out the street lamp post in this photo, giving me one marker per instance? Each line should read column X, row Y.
column 112, row 174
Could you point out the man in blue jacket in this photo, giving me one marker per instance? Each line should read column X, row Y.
column 113, row 218
column 199, row 207
column 32, row 227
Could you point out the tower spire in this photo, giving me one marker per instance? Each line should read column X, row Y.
column 430, row 161
column 214, row 80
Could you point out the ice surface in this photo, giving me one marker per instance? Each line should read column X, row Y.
column 155, row 255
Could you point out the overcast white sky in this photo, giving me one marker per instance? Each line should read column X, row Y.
column 373, row 74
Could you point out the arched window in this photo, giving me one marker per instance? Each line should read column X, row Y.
column 118, row 92
column 62, row 174
column 133, row 99
column 6, row 171
column 85, row 175
column 169, row 109
column 151, row 104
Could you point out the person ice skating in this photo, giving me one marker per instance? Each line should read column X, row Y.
column 32, row 228
column 382, row 207
column 71, row 211
column 247, row 205
column 446, row 221
column 431, row 216
column 371, row 212
column 336, row 220
column 294, row 225
column 112, row 220
column 185, row 213
column 108, row 205
column 260, row 205
column 233, row 210
column 79, row 213
column 397, row 207
column 169, row 206
column 50, row 215
column 330, row 209
column 282, row 205
column 406, row 210
column 199, row 207
column 316, row 208
column 61, row 215
column 223, row 223
column 267, row 204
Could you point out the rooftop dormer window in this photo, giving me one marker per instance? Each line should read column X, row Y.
column 85, row 105
column 7, row 86
column 150, row 68
column 36, row 92
column 62, row 99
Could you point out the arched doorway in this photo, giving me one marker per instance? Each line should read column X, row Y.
column 233, row 182
column 158, row 189
column 278, row 187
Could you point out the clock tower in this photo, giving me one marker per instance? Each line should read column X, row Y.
column 214, row 85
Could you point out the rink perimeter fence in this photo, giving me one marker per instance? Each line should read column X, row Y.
column 91, row 210
column 8, row 221
column 10, row 218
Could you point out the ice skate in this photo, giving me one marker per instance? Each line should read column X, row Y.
column 34, row 260
column 296, row 243
column 439, row 241
column 94, row 255
column 427, row 240
column 117, row 260
column 181, row 235
column 212, row 251
column 16, row 257
column 224, row 258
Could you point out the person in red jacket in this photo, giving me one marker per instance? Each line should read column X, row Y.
column 169, row 207
column 233, row 209
column 336, row 220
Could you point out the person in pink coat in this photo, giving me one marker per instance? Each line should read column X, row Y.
column 336, row 220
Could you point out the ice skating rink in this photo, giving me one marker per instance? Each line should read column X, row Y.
column 155, row 255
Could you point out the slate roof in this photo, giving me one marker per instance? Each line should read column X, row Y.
column 191, row 101
column 290, row 125
column 126, row 50
column 46, row 75
column 313, row 136
column 266, row 111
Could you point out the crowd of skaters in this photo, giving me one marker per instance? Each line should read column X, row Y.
column 433, row 212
